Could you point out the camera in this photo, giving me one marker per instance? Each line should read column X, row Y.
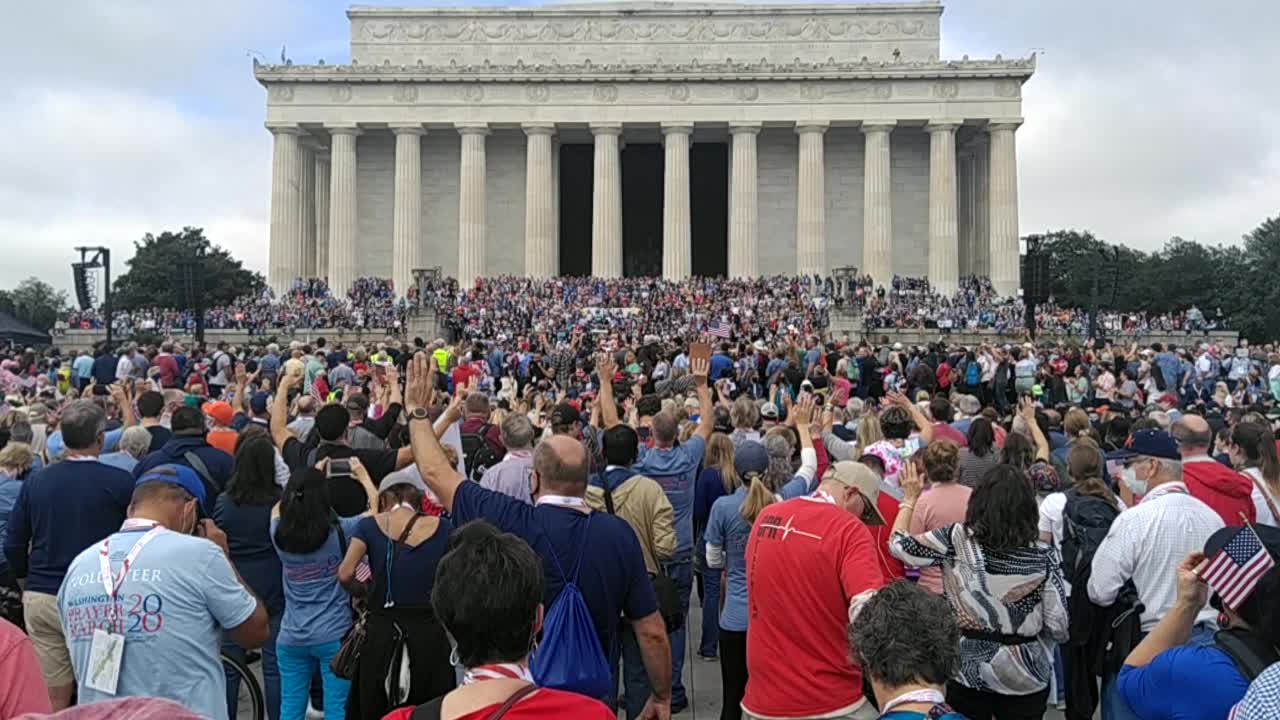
column 338, row 468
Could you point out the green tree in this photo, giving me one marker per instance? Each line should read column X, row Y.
column 1259, row 291
column 154, row 277
column 35, row 303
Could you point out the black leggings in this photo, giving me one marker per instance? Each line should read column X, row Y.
column 985, row 705
column 733, row 672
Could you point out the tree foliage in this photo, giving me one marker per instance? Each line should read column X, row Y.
column 35, row 303
column 1232, row 282
column 154, row 278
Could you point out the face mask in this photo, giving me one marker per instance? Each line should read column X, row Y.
column 1129, row 477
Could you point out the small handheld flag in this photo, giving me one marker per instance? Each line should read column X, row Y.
column 1234, row 571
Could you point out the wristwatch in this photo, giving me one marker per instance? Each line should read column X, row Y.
column 419, row 413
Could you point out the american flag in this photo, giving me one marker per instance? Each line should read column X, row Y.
column 719, row 329
column 1234, row 571
column 363, row 573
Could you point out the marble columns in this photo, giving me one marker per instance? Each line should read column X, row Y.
column 606, row 202
column 321, row 173
column 471, row 204
column 944, row 263
column 980, row 261
column 1002, row 195
column 343, row 229
column 877, row 203
column 677, row 247
column 541, row 245
column 406, row 232
column 744, row 221
column 307, row 209
column 285, row 252
column 811, row 206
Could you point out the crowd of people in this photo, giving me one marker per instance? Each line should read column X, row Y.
column 520, row 520
column 506, row 306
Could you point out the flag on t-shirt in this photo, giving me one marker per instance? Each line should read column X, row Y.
column 1234, row 571
column 719, row 329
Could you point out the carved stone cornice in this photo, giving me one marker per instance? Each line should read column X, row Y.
column 1014, row 71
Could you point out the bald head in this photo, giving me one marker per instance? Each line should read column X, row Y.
column 561, row 464
column 1193, row 434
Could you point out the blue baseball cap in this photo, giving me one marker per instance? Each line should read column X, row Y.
column 750, row 457
column 1148, row 443
column 180, row 475
column 258, row 403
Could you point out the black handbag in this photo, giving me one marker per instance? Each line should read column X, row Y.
column 664, row 588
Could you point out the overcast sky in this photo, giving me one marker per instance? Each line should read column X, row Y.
column 1145, row 119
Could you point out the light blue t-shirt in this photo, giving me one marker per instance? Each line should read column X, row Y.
column 317, row 610
column 120, row 459
column 727, row 528
column 110, row 442
column 676, row 470
column 178, row 597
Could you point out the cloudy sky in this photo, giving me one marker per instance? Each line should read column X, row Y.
column 1146, row 118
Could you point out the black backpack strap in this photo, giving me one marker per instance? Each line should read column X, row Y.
column 428, row 711
column 608, row 494
column 1251, row 653
column 194, row 461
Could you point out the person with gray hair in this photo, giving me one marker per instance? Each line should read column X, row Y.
column 907, row 642
column 134, row 445
column 68, row 506
column 1148, row 539
column 511, row 476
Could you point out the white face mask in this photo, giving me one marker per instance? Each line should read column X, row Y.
column 1129, row 476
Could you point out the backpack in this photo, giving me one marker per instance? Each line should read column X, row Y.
column 1251, row 653
column 479, row 454
column 1085, row 522
column 570, row 656
column 1158, row 375
column 972, row 373
column 664, row 588
column 212, row 488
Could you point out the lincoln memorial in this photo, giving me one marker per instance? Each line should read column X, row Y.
column 641, row 139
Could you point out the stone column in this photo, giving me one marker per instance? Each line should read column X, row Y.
column 944, row 263
column 471, row 204
column 406, row 223
column 1003, row 200
column 964, row 210
column 877, row 203
column 541, row 246
column 343, row 261
column 606, row 203
column 321, row 173
column 981, row 260
column 677, row 247
column 744, row 225
column 811, row 202
column 307, row 209
column 555, row 203
column 285, row 253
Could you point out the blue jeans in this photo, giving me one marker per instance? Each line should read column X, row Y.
column 1115, row 707
column 635, row 680
column 297, row 662
column 710, row 612
column 270, row 672
column 680, row 572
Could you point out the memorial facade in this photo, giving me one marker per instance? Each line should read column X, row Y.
column 631, row 139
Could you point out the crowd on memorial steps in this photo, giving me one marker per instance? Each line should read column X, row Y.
column 512, row 305
column 515, row 519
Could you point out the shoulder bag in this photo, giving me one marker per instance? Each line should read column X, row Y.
column 663, row 586
column 431, row 710
column 347, row 658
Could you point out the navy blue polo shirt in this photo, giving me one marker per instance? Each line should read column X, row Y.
column 613, row 580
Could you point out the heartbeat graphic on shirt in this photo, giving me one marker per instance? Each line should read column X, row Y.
column 770, row 526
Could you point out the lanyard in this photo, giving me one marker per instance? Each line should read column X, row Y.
column 110, row 582
column 562, row 501
column 496, row 672
column 822, row 496
column 931, row 696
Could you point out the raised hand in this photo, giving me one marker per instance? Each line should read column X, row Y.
column 605, row 367
column 803, row 412
column 700, row 368
column 910, row 482
column 421, row 381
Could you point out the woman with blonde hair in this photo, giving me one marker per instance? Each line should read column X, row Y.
column 728, row 530
column 869, row 432
column 717, row 479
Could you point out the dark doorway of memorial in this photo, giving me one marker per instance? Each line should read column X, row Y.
column 709, row 208
column 576, row 183
column 642, row 210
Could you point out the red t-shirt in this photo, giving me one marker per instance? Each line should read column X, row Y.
column 890, row 566
column 806, row 560
column 544, row 703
